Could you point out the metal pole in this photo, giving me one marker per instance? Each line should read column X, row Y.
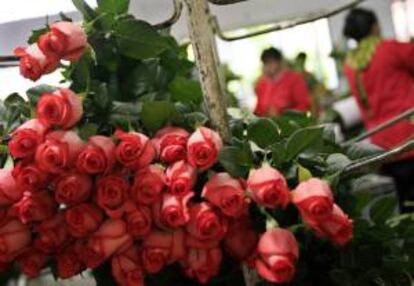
column 204, row 46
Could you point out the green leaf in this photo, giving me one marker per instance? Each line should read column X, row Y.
column 301, row 140
column 383, row 209
column 186, row 90
column 304, row 174
column 278, row 153
column 34, row 37
column 237, row 160
column 138, row 39
column 362, row 149
column 64, row 17
column 34, row 93
column 88, row 130
column 113, row 6
column 263, row 132
column 155, row 114
column 14, row 100
column 337, row 162
column 83, row 7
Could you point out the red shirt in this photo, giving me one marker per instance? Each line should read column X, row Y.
column 288, row 91
column 389, row 85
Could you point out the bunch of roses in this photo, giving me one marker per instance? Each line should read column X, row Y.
column 64, row 41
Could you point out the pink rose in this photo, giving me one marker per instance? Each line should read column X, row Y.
column 26, row 138
column 139, row 221
column 227, row 194
column 202, row 264
column 35, row 207
column 277, row 254
column 171, row 211
column 59, row 152
column 268, row 187
column 10, row 192
column 14, row 238
column 203, row 148
column 98, row 156
column 171, row 144
column 61, row 108
column 111, row 194
column 34, row 63
column 127, row 269
column 148, row 185
column 51, row 234
column 162, row 248
column 73, row 188
column 83, row 219
column 134, row 150
column 241, row 239
column 31, row 262
column 66, row 40
column 29, row 176
column 181, row 178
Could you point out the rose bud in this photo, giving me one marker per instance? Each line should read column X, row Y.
column 227, row 194
column 69, row 263
column 26, row 138
column 73, row 188
column 66, row 40
column 111, row 194
column 111, row 238
column 171, row 211
column 32, row 261
column 61, row 108
column 14, row 238
column 148, row 185
column 34, row 63
column 135, row 150
column 314, row 199
column 98, row 156
column 35, row 207
column 205, row 224
column 203, row 148
column 52, row 233
column 268, row 187
column 277, row 254
column 171, row 144
column 29, row 176
column 241, row 239
column 10, row 192
column 202, row 264
column 162, row 248
column 83, row 219
column 181, row 178
column 139, row 221
column 127, row 269
column 59, row 152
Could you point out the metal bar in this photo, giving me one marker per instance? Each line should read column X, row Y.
column 225, row 2
column 285, row 25
column 204, row 46
column 8, row 59
column 178, row 8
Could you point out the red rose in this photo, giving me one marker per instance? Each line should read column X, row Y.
column 127, row 269
column 111, row 194
column 205, row 224
column 171, row 211
column 83, row 219
column 171, row 144
column 26, row 138
column 241, row 239
column 268, row 187
column 14, row 238
column 111, row 238
column 202, row 264
column 68, row 261
column 139, row 221
column 29, row 177
column 32, row 262
column 65, row 40
column 34, row 63
column 35, row 207
column 73, row 188
column 148, row 185
column 59, row 152
column 51, row 234
column 10, row 192
column 227, row 194
column 181, row 178
column 314, row 199
column 203, row 148
column 61, row 108
column 98, row 156
column 162, row 248
column 278, row 252
column 134, row 150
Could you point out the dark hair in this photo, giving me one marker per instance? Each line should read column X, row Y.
column 359, row 24
column 271, row 54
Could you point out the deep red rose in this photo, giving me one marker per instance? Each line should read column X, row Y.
column 202, row 264
column 14, row 238
column 51, row 234
column 181, row 178
column 35, row 207
column 98, row 156
column 203, row 148
column 10, row 192
column 32, row 262
column 83, row 219
column 148, row 185
column 29, row 176
column 111, row 194
column 68, row 261
column 73, row 188
column 241, row 239
column 26, row 138
column 171, row 144
column 171, row 211
column 127, row 269
column 139, row 221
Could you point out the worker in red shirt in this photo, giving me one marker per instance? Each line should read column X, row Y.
column 279, row 88
column 381, row 77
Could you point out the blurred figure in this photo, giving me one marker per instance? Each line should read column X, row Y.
column 381, row 76
column 279, row 88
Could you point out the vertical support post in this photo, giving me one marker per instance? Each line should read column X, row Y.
column 205, row 51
